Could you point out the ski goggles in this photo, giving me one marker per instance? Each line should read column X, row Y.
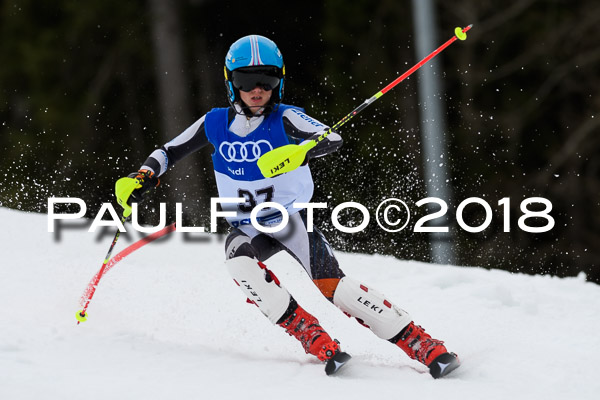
column 248, row 79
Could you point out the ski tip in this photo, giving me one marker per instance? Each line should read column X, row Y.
column 443, row 365
column 335, row 363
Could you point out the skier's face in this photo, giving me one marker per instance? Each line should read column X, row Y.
column 256, row 98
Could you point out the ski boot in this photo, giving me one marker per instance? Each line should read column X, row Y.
column 305, row 327
column 420, row 346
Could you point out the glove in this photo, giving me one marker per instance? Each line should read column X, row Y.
column 326, row 145
column 132, row 188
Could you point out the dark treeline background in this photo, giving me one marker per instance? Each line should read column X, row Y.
column 89, row 88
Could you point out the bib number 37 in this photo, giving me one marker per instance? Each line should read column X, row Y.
column 253, row 198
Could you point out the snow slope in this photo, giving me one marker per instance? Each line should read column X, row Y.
column 168, row 322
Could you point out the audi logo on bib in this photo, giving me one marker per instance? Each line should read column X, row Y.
column 244, row 151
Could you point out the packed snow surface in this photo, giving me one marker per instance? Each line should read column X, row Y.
column 168, row 322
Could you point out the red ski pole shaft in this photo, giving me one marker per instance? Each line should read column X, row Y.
column 390, row 86
column 91, row 288
column 422, row 62
column 100, row 273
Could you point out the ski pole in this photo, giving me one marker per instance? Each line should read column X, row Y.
column 80, row 315
column 91, row 288
column 287, row 158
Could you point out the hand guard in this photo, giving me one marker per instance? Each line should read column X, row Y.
column 132, row 188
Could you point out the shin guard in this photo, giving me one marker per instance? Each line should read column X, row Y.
column 260, row 285
column 370, row 308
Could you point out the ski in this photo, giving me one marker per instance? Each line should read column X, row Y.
column 336, row 362
column 443, row 365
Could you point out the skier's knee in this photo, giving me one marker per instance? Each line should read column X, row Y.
column 327, row 286
column 370, row 308
column 240, row 245
column 260, row 285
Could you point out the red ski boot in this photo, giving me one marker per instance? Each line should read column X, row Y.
column 420, row 346
column 304, row 327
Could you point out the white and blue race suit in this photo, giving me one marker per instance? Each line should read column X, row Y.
column 237, row 174
column 238, row 142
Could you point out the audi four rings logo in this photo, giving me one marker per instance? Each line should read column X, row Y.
column 246, row 151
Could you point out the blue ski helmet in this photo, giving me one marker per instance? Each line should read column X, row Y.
column 254, row 61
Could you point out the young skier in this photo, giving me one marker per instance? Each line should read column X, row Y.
column 255, row 123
